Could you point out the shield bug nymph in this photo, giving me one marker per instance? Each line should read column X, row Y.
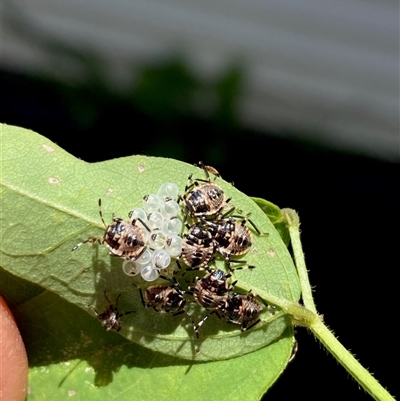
column 166, row 298
column 126, row 239
column 198, row 247
column 211, row 293
column 110, row 318
column 203, row 199
column 211, row 290
column 232, row 237
column 241, row 309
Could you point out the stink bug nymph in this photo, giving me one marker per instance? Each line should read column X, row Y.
column 198, row 248
column 232, row 237
column 205, row 200
column 166, row 299
column 163, row 298
column 110, row 318
column 125, row 239
column 211, row 290
column 241, row 309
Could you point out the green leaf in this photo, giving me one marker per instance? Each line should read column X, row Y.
column 68, row 360
column 274, row 213
column 49, row 204
column 84, row 361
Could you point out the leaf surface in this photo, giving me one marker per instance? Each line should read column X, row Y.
column 49, row 204
column 274, row 213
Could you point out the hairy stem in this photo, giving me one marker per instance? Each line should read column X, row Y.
column 293, row 223
column 316, row 325
column 347, row 360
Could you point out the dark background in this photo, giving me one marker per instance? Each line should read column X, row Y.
column 348, row 203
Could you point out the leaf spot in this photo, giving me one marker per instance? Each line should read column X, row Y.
column 48, row 148
column 53, row 180
column 271, row 252
column 141, row 168
column 109, row 191
column 254, row 250
column 71, row 393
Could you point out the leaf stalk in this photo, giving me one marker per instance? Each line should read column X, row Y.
column 293, row 223
column 316, row 325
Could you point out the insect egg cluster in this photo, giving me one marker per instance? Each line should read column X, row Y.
column 160, row 213
column 154, row 237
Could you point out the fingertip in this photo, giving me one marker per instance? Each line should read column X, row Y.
column 13, row 358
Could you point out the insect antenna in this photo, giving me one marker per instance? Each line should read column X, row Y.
column 101, row 213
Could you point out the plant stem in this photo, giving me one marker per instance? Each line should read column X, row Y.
column 344, row 357
column 301, row 316
column 293, row 223
column 316, row 325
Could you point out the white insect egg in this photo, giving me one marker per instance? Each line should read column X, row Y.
column 138, row 214
column 173, row 226
column 157, row 239
column 169, row 208
column 160, row 214
column 174, row 245
column 145, row 258
column 169, row 190
column 161, row 259
column 151, row 203
column 155, row 220
column 130, row 268
column 149, row 273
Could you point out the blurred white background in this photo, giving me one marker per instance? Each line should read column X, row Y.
column 328, row 70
